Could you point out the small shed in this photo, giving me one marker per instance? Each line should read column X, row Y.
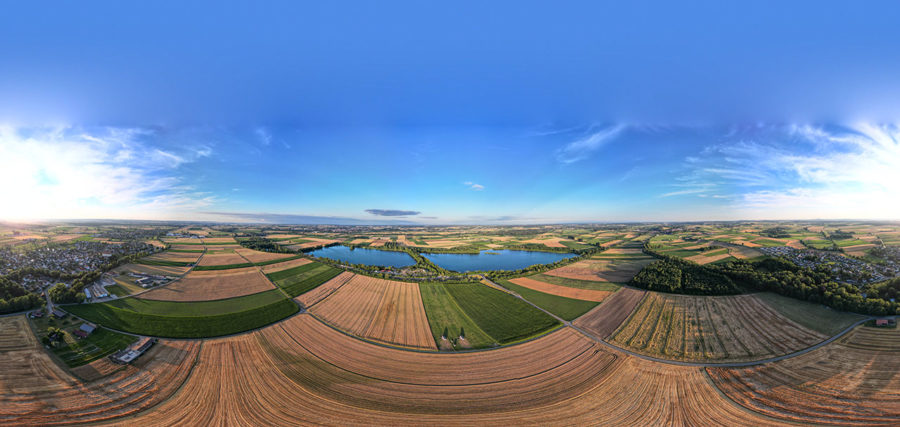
column 88, row 328
column 58, row 313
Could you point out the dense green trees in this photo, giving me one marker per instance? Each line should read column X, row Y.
column 13, row 297
column 62, row 294
column 675, row 275
column 770, row 274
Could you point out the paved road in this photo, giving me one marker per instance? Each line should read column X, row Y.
column 677, row 362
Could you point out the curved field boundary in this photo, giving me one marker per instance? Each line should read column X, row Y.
column 35, row 391
column 267, row 378
column 846, row 383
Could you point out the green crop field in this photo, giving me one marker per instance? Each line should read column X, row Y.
column 192, row 251
column 182, row 321
column 196, row 308
column 444, row 313
column 302, row 279
column 499, row 314
column 576, row 283
column 284, row 274
column 567, row 308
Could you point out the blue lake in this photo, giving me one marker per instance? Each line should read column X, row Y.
column 365, row 256
column 495, row 260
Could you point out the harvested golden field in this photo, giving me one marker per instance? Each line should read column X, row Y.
column 173, row 256
column 302, row 372
column 706, row 258
column 207, row 240
column 379, row 309
column 314, row 243
column 550, row 243
column 605, row 318
column 853, row 381
column 34, row 390
column 618, row 270
column 163, row 270
column 279, row 266
column 182, row 240
column 188, row 247
column 623, row 251
column 724, row 328
column 563, row 291
column 257, row 256
column 221, row 259
column 324, row 290
column 212, row 285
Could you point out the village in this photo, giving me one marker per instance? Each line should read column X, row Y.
column 846, row 269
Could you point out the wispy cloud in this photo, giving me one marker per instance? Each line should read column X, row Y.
column 391, row 212
column 803, row 171
column 581, row 148
column 473, row 186
column 70, row 172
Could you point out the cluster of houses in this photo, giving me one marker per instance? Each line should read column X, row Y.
column 71, row 258
column 150, row 280
column 849, row 270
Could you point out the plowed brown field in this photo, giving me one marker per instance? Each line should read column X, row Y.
column 563, row 291
column 379, row 309
column 603, row 319
column 212, row 285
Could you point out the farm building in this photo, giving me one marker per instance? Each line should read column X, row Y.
column 58, row 313
column 87, row 327
column 885, row 322
column 128, row 355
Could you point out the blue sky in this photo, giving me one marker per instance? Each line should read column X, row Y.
column 512, row 112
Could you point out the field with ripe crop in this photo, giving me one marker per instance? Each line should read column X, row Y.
column 853, row 381
column 378, row 309
column 212, row 285
column 35, row 391
column 727, row 328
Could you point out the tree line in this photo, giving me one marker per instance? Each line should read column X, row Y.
column 777, row 275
